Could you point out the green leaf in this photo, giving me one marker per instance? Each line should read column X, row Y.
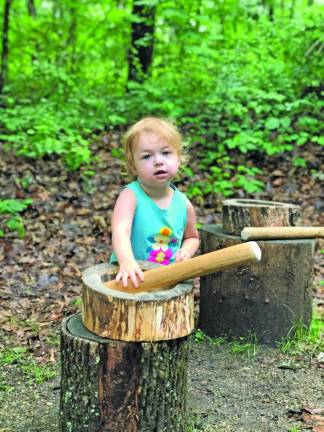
column 14, row 206
column 299, row 162
column 272, row 123
column 285, row 122
column 16, row 224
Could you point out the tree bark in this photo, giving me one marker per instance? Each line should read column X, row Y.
column 72, row 35
column 266, row 299
column 114, row 386
column 241, row 213
column 142, row 42
column 31, row 8
column 5, row 45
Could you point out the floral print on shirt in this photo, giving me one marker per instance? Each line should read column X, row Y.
column 162, row 244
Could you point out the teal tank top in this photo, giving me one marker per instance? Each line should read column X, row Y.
column 156, row 233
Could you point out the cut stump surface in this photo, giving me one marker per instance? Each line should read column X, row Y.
column 241, row 213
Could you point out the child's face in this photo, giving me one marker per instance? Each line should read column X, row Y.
column 156, row 161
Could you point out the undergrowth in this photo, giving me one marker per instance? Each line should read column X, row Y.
column 12, row 220
column 304, row 340
column 241, row 83
column 20, row 357
column 244, row 346
column 300, row 340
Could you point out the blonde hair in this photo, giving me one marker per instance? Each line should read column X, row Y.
column 161, row 127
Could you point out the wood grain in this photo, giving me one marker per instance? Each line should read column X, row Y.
column 164, row 277
column 264, row 233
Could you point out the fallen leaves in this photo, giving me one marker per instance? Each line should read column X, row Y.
column 312, row 418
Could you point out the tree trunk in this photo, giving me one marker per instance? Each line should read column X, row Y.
column 72, row 36
column 142, row 41
column 5, row 45
column 266, row 299
column 241, row 213
column 31, row 8
column 142, row 316
column 114, row 386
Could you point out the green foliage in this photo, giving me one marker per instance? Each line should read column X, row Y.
column 244, row 346
column 199, row 336
column 37, row 373
column 302, row 339
column 14, row 206
column 10, row 356
column 197, row 423
column 4, row 388
column 236, row 78
column 14, row 222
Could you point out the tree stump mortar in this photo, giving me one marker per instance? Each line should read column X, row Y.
column 138, row 384
column 268, row 299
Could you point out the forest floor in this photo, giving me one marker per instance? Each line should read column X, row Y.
column 68, row 230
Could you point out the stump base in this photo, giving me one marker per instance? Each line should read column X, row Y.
column 109, row 385
column 266, row 299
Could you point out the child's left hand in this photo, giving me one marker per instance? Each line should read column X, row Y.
column 182, row 255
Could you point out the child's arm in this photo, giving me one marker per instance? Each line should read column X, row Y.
column 121, row 224
column 190, row 242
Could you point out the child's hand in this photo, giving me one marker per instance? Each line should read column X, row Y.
column 130, row 271
column 182, row 255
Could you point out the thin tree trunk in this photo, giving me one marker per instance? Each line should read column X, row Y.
column 271, row 10
column 5, row 45
column 268, row 5
column 71, row 39
column 31, row 8
column 142, row 40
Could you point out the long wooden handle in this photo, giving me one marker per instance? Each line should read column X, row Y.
column 162, row 278
column 254, row 233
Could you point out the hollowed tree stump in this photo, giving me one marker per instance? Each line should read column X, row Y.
column 125, row 385
column 241, row 213
column 266, row 299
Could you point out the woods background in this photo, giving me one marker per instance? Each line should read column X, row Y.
column 242, row 79
column 239, row 77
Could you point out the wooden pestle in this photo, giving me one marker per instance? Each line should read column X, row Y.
column 252, row 233
column 165, row 277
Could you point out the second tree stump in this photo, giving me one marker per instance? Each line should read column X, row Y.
column 268, row 299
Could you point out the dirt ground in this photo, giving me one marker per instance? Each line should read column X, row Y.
column 267, row 392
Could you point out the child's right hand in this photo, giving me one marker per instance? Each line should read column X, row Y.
column 130, row 270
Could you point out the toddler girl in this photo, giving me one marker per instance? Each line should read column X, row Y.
column 152, row 220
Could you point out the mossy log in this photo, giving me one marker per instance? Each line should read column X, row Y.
column 241, row 213
column 114, row 386
column 266, row 299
